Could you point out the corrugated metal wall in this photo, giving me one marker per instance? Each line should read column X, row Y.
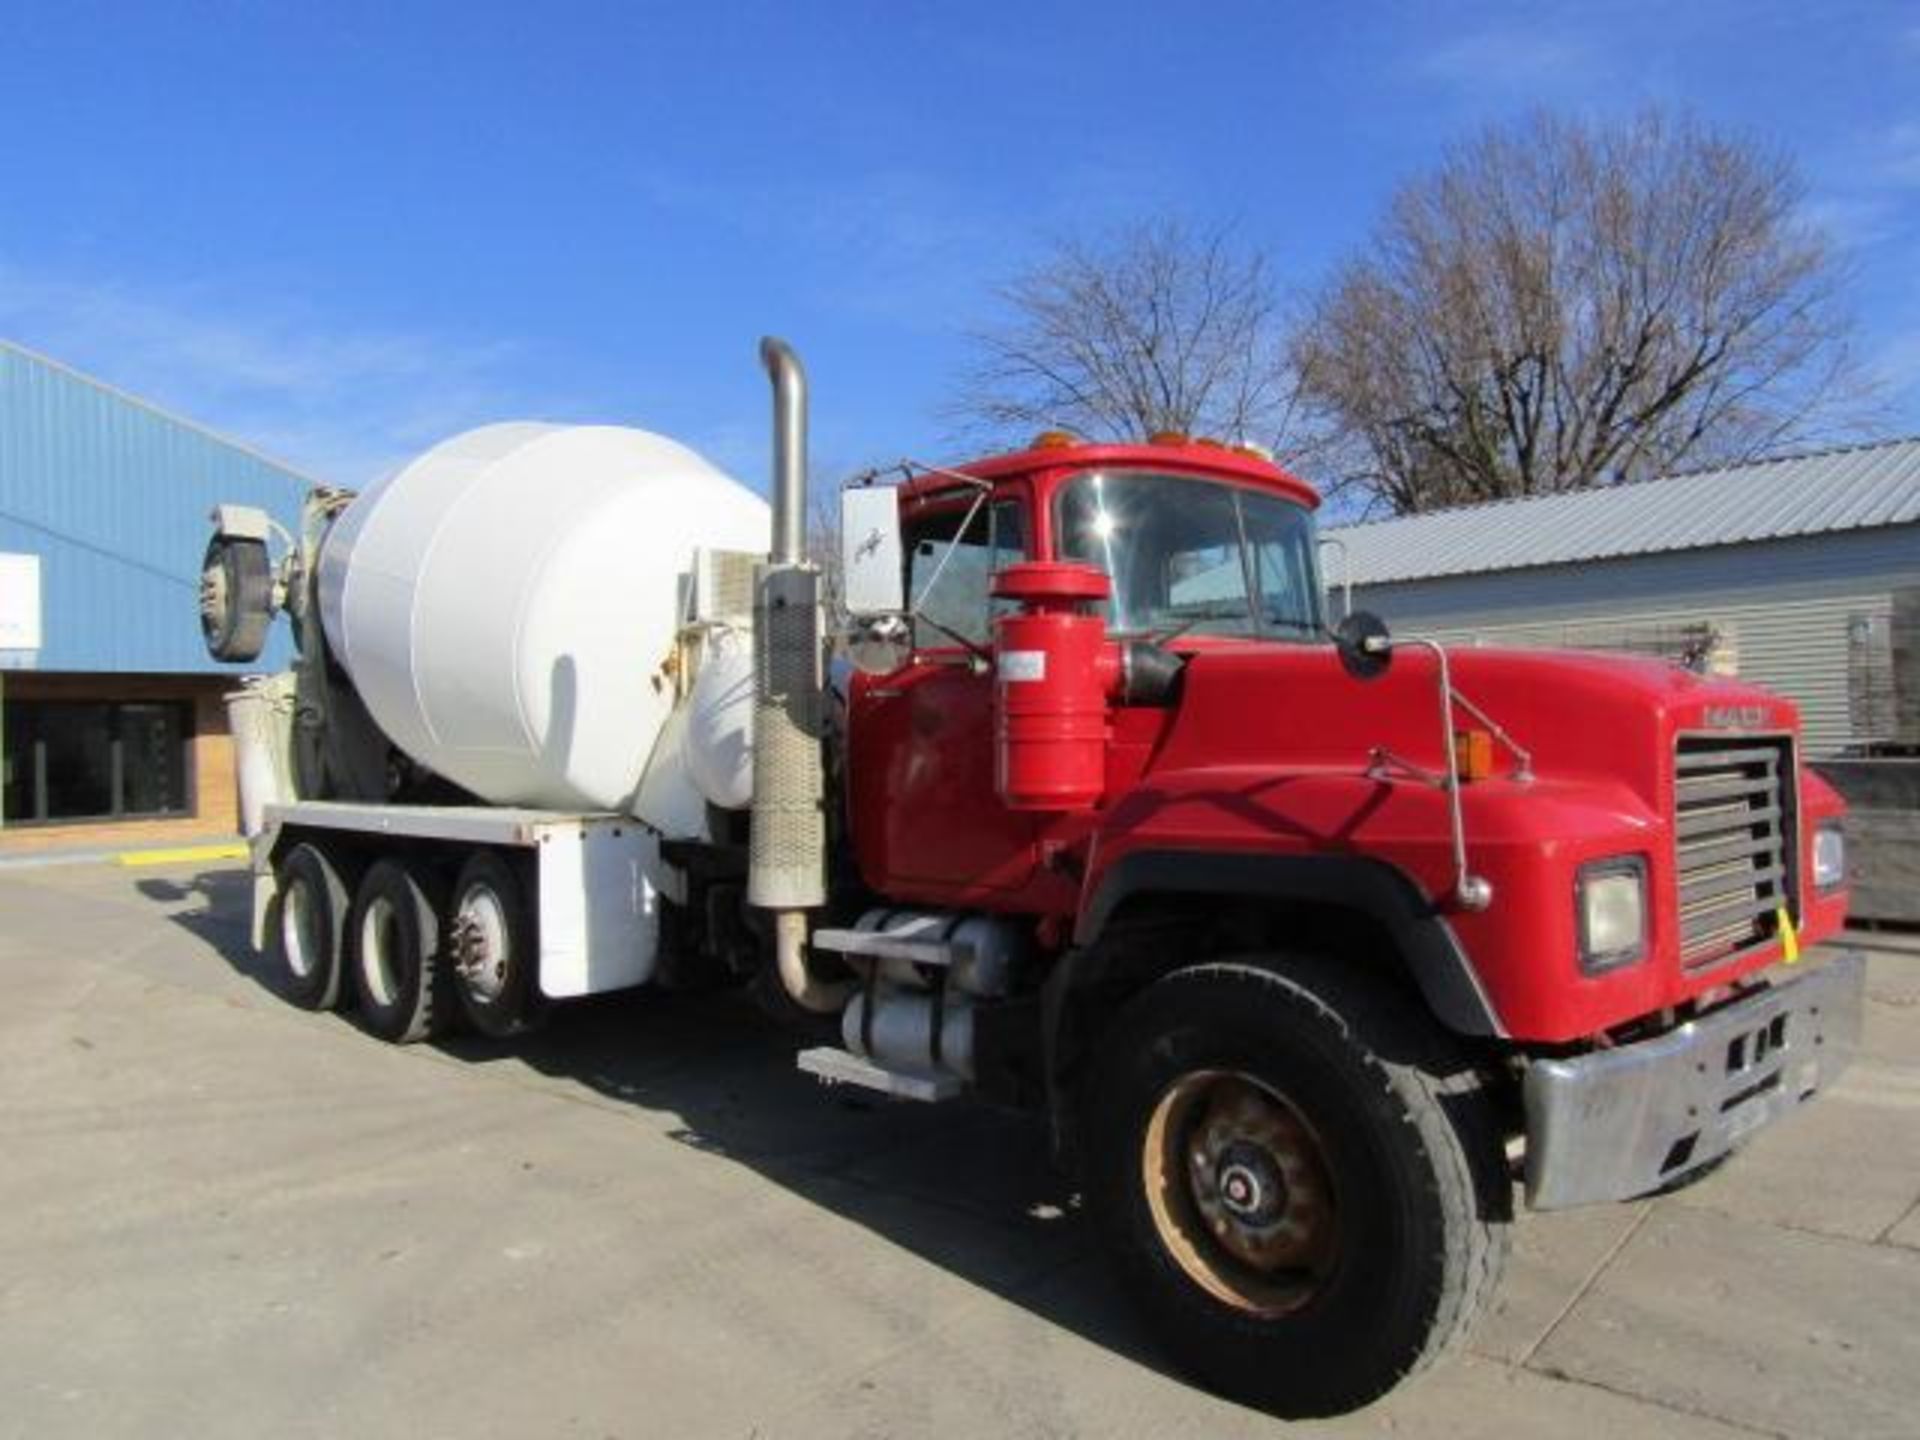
column 114, row 497
column 1783, row 609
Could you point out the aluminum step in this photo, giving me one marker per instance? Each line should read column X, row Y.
column 842, row 1067
column 907, row 942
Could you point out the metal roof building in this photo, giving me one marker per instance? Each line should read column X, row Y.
column 113, row 727
column 1781, row 571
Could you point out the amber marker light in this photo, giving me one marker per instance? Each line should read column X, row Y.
column 1473, row 754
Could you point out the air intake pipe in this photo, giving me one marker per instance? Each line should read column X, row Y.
column 787, row 866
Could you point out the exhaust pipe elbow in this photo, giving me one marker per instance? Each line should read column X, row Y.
column 789, row 450
column 808, row 991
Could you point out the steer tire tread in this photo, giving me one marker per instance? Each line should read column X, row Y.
column 1413, row 1084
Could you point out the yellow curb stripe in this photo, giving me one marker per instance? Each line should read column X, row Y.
column 181, row 855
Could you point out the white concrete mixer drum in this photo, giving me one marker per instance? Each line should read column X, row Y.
column 719, row 752
column 505, row 604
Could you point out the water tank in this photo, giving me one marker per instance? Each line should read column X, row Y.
column 506, row 603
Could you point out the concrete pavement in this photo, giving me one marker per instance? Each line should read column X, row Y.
column 226, row 1217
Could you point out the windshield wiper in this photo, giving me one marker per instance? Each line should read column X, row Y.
column 974, row 647
column 1222, row 610
column 1294, row 623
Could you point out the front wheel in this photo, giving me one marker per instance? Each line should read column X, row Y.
column 1300, row 1179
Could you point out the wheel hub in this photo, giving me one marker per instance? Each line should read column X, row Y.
column 479, row 935
column 1239, row 1192
column 299, row 930
column 1252, row 1187
column 379, row 942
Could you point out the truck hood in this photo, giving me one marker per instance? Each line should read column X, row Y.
column 1279, row 750
column 1581, row 716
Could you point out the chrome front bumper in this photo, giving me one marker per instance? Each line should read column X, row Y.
column 1613, row 1124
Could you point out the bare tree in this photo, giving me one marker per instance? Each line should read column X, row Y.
column 823, row 542
column 1154, row 329
column 1564, row 304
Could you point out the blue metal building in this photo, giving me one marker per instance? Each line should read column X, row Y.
column 111, row 705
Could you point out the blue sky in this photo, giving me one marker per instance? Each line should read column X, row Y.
column 343, row 232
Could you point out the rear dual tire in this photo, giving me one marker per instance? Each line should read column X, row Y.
column 494, row 953
column 306, row 928
column 402, row 978
column 389, row 942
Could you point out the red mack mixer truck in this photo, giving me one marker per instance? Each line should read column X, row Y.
column 1318, row 951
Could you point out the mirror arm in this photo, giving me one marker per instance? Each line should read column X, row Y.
column 1346, row 572
column 1470, row 891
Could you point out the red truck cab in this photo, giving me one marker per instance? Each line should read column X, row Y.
column 1629, row 767
column 1587, row 881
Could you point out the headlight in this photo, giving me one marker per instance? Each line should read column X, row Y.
column 1611, row 898
column 1829, row 857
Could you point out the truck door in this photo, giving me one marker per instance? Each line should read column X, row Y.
column 921, row 762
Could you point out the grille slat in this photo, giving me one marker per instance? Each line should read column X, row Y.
column 1715, row 759
column 1732, row 843
column 1716, row 848
column 1713, row 820
column 1724, row 785
column 1725, row 912
column 1712, row 880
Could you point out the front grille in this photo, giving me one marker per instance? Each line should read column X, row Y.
column 1733, row 839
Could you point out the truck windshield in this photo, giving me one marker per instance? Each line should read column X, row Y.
column 1194, row 556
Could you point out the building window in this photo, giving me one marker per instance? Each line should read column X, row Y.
column 1873, row 694
column 82, row 760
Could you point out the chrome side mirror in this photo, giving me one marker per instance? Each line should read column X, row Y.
column 871, row 578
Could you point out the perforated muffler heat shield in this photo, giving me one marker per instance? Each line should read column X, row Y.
column 788, row 847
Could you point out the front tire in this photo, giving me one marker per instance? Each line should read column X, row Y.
column 400, row 974
column 1300, row 1179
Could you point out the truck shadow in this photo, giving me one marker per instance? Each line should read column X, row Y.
column 961, row 1185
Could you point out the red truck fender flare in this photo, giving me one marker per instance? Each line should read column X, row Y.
column 1427, row 946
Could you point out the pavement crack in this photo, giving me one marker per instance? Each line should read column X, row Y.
column 1587, row 1284
column 1885, row 1237
column 1702, row 1207
column 1692, row 1412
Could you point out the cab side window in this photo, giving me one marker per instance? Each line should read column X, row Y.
column 950, row 573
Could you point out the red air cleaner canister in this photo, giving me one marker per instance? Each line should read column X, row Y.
column 1051, row 677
